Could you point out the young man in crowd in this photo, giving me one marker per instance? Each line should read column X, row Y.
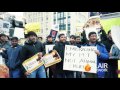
column 108, row 42
column 33, row 46
column 3, row 43
column 49, row 41
column 101, row 52
column 72, row 40
column 111, row 63
column 13, row 60
column 60, row 48
column 78, row 41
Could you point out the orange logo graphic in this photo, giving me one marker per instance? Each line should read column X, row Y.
column 87, row 67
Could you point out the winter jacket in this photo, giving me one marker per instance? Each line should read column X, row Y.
column 30, row 49
column 12, row 56
column 60, row 48
column 5, row 45
column 100, row 59
column 108, row 43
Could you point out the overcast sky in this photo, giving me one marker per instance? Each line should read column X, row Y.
column 16, row 13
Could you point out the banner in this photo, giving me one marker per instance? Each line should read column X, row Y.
column 81, row 59
column 51, row 58
column 32, row 63
column 53, row 33
column 48, row 48
column 115, row 32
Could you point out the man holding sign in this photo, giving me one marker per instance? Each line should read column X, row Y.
column 102, row 55
column 31, row 48
column 48, row 46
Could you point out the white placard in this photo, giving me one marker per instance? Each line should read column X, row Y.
column 49, row 48
column 115, row 32
column 81, row 59
column 19, row 32
column 91, row 29
column 2, row 60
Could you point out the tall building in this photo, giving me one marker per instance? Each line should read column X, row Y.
column 70, row 22
column 66, row 22
column 45, row 19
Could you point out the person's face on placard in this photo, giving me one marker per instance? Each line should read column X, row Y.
column 93, row 38
column 32, row 38
column 63, row 38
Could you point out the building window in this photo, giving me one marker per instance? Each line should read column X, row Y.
column 68, row 21
column 54, row 21
column 58, row 15
column 62, row 15
column 68, row 26
column 64, row 27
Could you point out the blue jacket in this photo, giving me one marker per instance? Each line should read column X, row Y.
column 12, row 56
column 100, row 59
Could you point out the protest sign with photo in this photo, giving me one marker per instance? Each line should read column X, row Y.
column 53, row 33
column 51, row 58
column 81, row 59
column 32, row 63
column 91, row 29
column 48, row 48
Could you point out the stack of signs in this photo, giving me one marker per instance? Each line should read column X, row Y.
column 53, row 33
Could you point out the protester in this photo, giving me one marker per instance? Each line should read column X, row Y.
column 13, row 60
column 60, row 48
column 101, row 33
column 49, row 41
column 3, row 43
column 78, row 41
column 113, row 62
column 72, row 40
column 108, row 42
column 33, row 46
column 101, row 52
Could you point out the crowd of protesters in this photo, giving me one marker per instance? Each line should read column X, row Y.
column 15, row 54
